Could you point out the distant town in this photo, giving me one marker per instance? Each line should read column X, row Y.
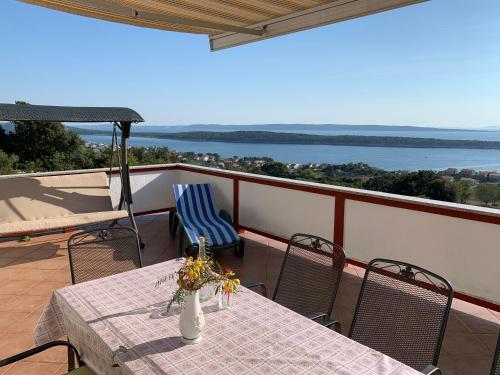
column 452, row 184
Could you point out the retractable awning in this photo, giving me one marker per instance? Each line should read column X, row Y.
column 228, row 23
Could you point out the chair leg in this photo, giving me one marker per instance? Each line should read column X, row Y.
column 170, row 221
column 181, row 244
column 239, row 250
column 71, row 359
column 175, row 225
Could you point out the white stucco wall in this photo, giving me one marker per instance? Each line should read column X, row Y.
column 283, row 212
column 465, row 252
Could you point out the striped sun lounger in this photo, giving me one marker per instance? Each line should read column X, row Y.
column 197, row 216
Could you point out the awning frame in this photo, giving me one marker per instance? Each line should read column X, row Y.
column 121, row 117
column 321, row 15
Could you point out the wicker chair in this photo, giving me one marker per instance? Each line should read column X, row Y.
column 495, row 366
column 402, row 311
column 309, row 277
column 103, row 252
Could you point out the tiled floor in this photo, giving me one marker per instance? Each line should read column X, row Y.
column 30, row 271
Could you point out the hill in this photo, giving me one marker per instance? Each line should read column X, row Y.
column 267, row 137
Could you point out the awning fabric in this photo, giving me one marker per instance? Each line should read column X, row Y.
column 29, row 112
column 227, row 22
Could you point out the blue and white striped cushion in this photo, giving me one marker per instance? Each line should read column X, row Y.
column 196, row 205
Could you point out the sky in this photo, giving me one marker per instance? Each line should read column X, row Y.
column 432, row 64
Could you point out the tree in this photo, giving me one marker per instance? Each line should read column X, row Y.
column 464, row 191
column 4, row 139
column 427, row 184
column 7, row 163
column 307, row 174
column 48, row 145
column 380, row 183
column 275, row 169
column 486, row 193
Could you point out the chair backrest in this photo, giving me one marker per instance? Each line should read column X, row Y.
column 195, row 198
column 402, row 311
column 104, row 252
column 310, row 275
column 495, row 366
column 196, row 205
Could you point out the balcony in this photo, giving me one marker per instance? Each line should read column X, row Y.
column 457, row 241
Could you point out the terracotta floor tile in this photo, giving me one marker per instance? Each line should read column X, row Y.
column 24, row 303
column 62, row 275
column 15, row 252
column 13, row 343
column 496, row 314
column 17, row 287
column 15, row 272
column 490, row 341
column 40, row 264
column 6, row 261
column 465, row 365
column 24, row 324
column 482, row 322
column 4, row 369
column 5, row 299
column 62, row 370
column 46, row 288
column 57, row 355
column 23, row 368
column 10, row 319
column 463, row 344
column 47, row 253
column 455, row 324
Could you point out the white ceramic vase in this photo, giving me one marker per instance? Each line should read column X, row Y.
column 192, row 320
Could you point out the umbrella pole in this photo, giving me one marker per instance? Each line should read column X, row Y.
column 126, row 191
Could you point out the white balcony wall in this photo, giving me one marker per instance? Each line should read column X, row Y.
column 466, row 252
column 150, row 190
column 283, row 212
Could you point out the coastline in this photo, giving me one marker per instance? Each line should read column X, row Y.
column 278, row 138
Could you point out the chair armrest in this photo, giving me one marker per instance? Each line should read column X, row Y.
column 226, row 216
column 255, row 285
column 327, row 322
column 38, row 349
column 431, row 370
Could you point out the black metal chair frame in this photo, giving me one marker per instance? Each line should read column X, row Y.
column 495, row 366
column 408, row 272
column 28, row 353
column 325, row 316
column 175, row 221
column 81, row 236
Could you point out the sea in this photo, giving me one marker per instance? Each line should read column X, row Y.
column 388, row 158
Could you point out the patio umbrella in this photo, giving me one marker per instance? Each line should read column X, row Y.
column 227, row 23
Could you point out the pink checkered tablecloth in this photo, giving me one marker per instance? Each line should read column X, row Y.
column 121, row 326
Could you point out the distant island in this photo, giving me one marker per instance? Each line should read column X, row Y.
column 269, row 137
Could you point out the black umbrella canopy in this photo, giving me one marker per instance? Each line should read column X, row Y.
column 29, row 112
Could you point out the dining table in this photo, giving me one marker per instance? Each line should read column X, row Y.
column 121, row 324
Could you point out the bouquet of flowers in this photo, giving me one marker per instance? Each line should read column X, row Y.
column 195, row 273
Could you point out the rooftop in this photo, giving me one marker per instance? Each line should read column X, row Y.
column 31, row 271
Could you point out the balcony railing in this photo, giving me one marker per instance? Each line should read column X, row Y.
column 460, row 242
